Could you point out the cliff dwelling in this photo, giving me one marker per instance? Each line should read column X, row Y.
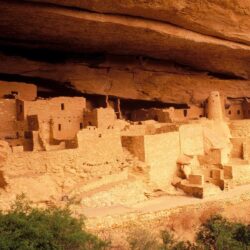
column 198, row 149
column 124, row 107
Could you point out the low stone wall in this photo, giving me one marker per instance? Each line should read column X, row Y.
column 71, row 161
column 240, row 128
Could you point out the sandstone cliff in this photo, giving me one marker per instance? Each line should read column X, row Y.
column 175, row 51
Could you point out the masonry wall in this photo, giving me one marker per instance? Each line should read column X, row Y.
column 66, row 170
column 90, row 118
column 98, row 145
column 241, row 174
column 101, row 118
column 235, row 112
column 105, row 118
column 237, row 149
column 215, row 106
column 49, row 108
column 161, row 154
column 246, row 109
column 168, row 115
column 21, row 91
column 240, row 128
column 71, row 161
column 135, row 145
column 63, row 114
column 160, row 115
column 8, row 125
column 66, row 128
column 193, row 112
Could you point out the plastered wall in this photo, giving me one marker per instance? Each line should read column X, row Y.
column 191, row 139
column 161, row 154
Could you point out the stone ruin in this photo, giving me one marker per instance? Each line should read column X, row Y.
column 71, row 149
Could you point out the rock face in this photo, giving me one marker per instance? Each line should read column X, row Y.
column 227, row 19
column 125, row 77
column 81, row 31
column 151, row 40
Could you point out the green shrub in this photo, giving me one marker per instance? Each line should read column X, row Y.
column 220, row 234
column 167, row 240
column 169, row 243
column 27, row 228
column 216, row 233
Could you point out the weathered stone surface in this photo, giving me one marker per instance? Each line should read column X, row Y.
column 191, row 139
column 228, row 19
column 64, row 29
column 131, row 80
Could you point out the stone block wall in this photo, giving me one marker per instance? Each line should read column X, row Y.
column 64, row 115
column 246, row 148
column 135, row 145
column 66, row 128
column 99, row 146
column 196, row 179
column 235, row 112
column 8, row 125
column 179, row 115
column 240, row 128
column 237, row 149
column 101, row 118
column 168, row 115
column 160, row 115
column 49, row 108
column 59, row 163
column 241, row 174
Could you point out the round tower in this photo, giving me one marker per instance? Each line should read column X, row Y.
column 215, row 107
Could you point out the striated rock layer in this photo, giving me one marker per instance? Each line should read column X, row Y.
column 64, row 29
column 125, row 77
column 228, row 19
column 168, row 51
